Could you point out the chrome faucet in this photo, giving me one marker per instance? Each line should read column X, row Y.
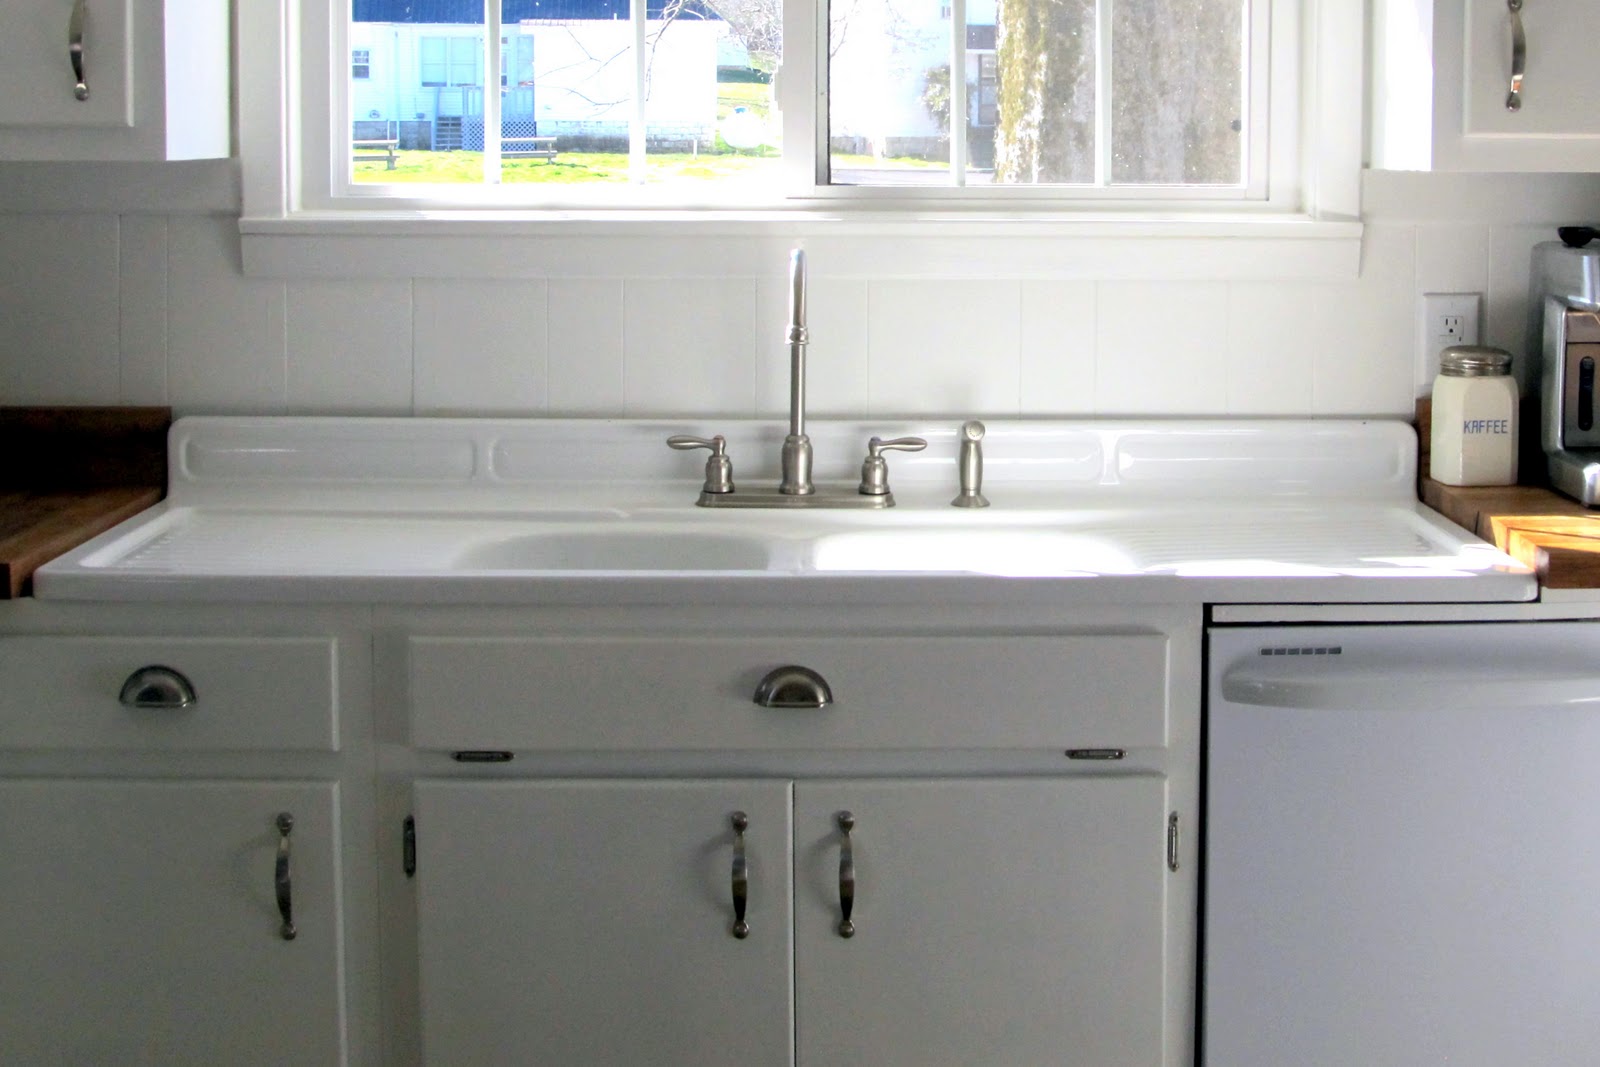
column 795, row 488
column 796, row 480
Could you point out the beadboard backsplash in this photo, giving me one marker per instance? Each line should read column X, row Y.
column 103, row 303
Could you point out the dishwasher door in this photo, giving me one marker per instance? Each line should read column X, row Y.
column 1402, row 846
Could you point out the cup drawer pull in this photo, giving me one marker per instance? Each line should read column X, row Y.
column 793, row 687
column 157, row 687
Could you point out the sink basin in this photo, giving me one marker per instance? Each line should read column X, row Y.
column 618, row 550
column 1005, row 552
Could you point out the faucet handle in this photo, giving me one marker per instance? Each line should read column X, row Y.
column 875, row 470
column 719, row 468
column 878, row 445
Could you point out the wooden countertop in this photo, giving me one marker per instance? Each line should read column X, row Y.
column 1554, row 535
column 67, row 474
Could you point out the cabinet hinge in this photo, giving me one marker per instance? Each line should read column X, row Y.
column 408, row 847
column 1172, row 841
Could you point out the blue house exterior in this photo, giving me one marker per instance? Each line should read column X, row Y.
column 417, row 74
column 460, row 12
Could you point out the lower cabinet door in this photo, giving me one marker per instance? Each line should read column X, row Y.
column 141, row 923
column 1003, row 922
column 592, row 922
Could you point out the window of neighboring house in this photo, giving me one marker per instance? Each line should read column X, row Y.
column 448, row 61
column 360, row 64
column 736, row 103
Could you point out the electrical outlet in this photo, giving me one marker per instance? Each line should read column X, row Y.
column 1444, row 319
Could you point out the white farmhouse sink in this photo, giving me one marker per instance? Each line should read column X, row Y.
column 1021, row 552
column 645, row 549
column 585, row 511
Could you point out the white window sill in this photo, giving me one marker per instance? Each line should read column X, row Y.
column 841, row 243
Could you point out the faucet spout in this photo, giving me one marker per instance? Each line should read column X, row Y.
column 796, row 479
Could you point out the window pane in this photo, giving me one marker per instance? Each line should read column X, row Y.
column 709, row 116
column 1045, row 92
column 566, row 85
column 1032, row 72
column 418, row 114
column 1177, row 92
column 889, row 92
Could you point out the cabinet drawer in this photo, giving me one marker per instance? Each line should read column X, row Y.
column 611, row 693
column 249, row 693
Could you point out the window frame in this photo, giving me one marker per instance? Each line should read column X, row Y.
column 289, row 170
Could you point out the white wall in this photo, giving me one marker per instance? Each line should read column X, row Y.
column 122, row 285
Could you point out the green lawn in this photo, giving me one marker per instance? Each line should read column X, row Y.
column 566, row 168
column 589, row 167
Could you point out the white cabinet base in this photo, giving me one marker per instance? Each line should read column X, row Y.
column 141, row 925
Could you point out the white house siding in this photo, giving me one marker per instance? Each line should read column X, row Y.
column 582, row 91
column 876, row 75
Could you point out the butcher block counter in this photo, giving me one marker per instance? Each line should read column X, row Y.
column 69, row 473
column 1555, row 536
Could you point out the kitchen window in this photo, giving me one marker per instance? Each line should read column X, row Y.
column 1116, row 118
column 678, row 98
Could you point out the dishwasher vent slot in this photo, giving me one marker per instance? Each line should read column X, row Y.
column 1291, row 650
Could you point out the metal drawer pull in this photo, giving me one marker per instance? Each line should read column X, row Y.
column 75, row 50
column 793, row 687
column 847, row 876
column 156, row 686
column 1519, row 56
column 281, row 882
column 741, row 876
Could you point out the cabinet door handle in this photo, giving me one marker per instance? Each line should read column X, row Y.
column 75, row 50
column 156, row 686
column 847, row 876
column 281, row 882
column 741, row 876
column 1519, row 56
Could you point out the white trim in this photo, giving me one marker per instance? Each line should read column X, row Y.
column 639, row 15
column 493, row 128
column 683, row 246
column 958, row 92
column 1104, row 20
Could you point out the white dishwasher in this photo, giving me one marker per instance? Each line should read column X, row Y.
column 1402, row 846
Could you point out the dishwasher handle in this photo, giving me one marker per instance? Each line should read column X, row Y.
column 1408, row 690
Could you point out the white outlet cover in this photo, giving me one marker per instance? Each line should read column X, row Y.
column 1431, row 311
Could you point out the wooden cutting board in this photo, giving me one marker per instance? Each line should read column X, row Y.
column 1555, row 536
column 35, row 527
column 67, row 474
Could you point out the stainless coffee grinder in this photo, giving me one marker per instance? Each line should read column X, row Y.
column 1565, row 325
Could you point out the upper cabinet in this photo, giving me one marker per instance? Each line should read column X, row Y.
column 1444, row 74
column 114, row 79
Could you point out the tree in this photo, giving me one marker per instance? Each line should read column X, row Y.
column 758, row 24
column 1175, row 91
column 1045, row 101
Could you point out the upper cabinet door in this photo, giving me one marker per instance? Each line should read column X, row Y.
column 155, row 77
column 1008, row 923
column 1557, row 125
column 142, row 926
column 590, row 922
column 37, row 80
